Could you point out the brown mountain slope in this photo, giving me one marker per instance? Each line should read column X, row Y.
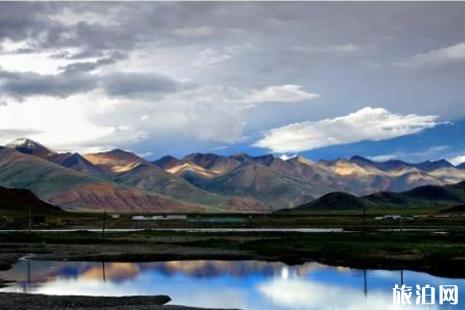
column 262, row 184
column 151, row 178
column 103, row 196
column 76, row 162
column 74, row 190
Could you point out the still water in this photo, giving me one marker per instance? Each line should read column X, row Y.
column 251, row 285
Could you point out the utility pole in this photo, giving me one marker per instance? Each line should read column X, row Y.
column 28, row 272
column 30, row 217
column 103, row 226
column 364, row 216
column 401, row 224
column 103, row 272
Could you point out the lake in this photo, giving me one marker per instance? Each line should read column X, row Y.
column 252, row 285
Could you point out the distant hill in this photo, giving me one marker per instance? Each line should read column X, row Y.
column 424, row 197
column 19, row 201
column 333, row 201
column 455, row 209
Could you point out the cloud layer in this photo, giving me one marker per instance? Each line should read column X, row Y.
column 369, row 123
column 177, row 77
column 454, row 54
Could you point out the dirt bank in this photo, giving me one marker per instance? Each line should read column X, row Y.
column 13, row 301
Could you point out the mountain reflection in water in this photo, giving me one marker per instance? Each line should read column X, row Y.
column 251, row 285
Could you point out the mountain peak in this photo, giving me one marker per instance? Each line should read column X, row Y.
column 241, row 156
column 116, row 160
column 118, row 151
column 31, row 147
column 166, row 162
column 301, row 159
column 359, row 158
column 433, row 165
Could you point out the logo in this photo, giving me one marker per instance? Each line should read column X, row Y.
column 425, row 295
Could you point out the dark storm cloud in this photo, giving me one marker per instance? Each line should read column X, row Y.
column 339, row 49
column 24, row 84
column 76, row 80
column 35, row 23
column 344, row 51
column 129, row 24
column 134, row 84
column 87, row 66
column 20, row 21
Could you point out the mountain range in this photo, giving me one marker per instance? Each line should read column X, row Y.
column 123, row 181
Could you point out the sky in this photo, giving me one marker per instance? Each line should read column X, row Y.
column 327, row 80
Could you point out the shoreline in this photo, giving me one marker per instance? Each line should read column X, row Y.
column 16, row 301
column 439, row 255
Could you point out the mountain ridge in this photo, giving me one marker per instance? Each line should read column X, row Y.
column 212, row 181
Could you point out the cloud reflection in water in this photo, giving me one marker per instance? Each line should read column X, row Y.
column 250, row 285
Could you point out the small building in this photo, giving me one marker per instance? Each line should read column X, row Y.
column 169, row 217
column 163, row 217
column 115, row 216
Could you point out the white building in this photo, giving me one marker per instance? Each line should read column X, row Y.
column 159, row 217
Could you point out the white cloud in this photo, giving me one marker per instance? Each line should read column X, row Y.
column 286, row 157
column 145, row 154
column 209, row 57
column 280, row 93
column 83, row 122
column 366, row 124
column 70, row 17
column 383, row 158
column 457, row 160
column 63, row 124
column 303, row 295
column 443, row 56
column 40, row 63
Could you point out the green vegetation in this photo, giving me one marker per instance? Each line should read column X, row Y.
column 435, row 253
